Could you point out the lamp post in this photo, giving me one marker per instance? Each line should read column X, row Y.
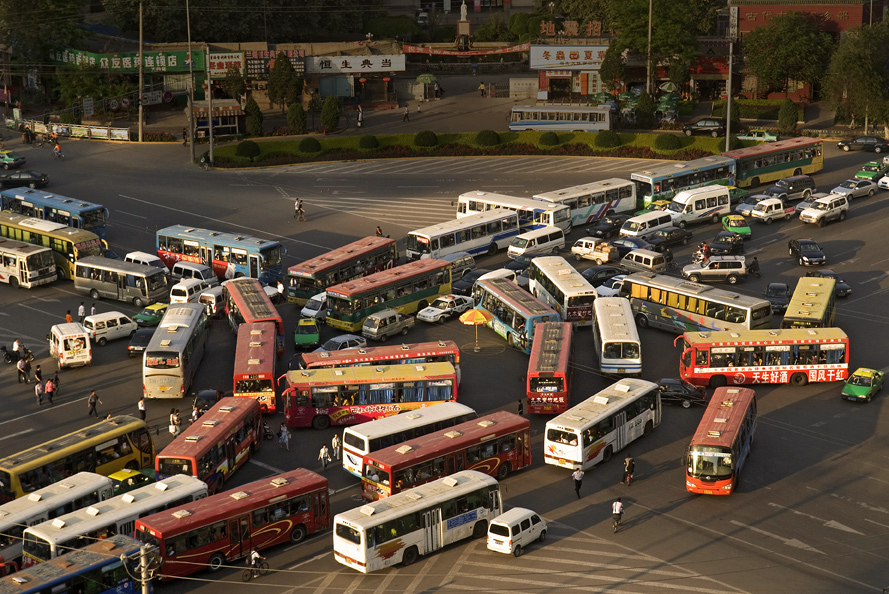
column 648, row 61
column 141, row 81
column 190, row 119
column 728, row 98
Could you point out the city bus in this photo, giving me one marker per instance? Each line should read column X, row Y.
column 515, row 312
column 480, row 233
column 247, row 302
column 533, row 214
column 617, row 342
column 797, row 356
column 351, row 395
column 560, row 118
column 771, row 161
column 662, row 182
column 108, row 518
column 365, row 438
column 104, row 448
column 558, row 284
column 71, row 212
column 812, row 305
column 216, row 445
column 98, row 568
column 406, row 289
column 354, row 260
column 124, row 281
column 494, row 444
column 175, row 351
column 219, row 529
column 679, row 305
column 255, row 359
column 25, row 265
column 550, row 369
column 74, row 492
column 67, row 243
column 417, row 522
column 590, row 202
column 721, row 443
column 602, row 425
column 230, row 255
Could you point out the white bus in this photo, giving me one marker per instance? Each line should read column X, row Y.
column 555, row 282
column 616, row 339
column 400, row 528
column 590, row 202
column 174, row 352
column 595, row 429
column 481, row 233
column 68, row 494
column 113, row 516
column 25, row 264
column 533, row 214
column 561, row 118
column 360, row 440
column 116, row 279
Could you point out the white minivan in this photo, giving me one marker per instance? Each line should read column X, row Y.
column 69, row 344
column 109, row 326
column 190, row 270
column 699, row 205
column 514, row 530
column 146, row 259
column 188, row 291
column 546, row 240
column 316, row 307
column 645, row 224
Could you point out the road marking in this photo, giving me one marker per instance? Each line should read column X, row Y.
column 131, row 214
column 826, row 523
column 322, row 587
column 267, row 466
column 791, row 542
column 307, row 561
column 877, row 523
column 20, row 433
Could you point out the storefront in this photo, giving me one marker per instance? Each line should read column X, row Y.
column 364, row 77
column 567, row 72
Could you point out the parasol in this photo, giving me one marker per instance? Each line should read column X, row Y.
column 476, row 317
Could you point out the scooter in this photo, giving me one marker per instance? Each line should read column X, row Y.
column 13, row 356
column 267, row 433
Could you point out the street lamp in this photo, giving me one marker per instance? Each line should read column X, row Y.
column 648, row 61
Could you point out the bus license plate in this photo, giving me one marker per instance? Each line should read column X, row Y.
column 621, row 370
column 708, row 492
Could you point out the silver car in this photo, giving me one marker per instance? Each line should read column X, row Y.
column 856, row 188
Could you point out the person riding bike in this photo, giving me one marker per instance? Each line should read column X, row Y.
column 255, row 559
column 753, row 268
column 57, row 150
column 617, row 510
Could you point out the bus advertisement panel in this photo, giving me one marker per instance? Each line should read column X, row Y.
column 590, row 202
column 550, row 369
column 771, row 161
column 255, row 360
column 25, row 265
column 247, row 302
column 71, row 212
column 515, row 312
column 67, row 243
column 555, row 282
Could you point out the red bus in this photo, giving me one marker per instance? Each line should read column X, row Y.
column 216, row 445
column 246, row 301
column 216, row 530
column 255, row 360
column 495, row 444
column 359, row 258
column 352, row 395
column 793, row 355
column 721, row 442
column 550, row 369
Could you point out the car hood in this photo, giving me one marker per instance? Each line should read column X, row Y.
column 850, row 390
column 430, row 312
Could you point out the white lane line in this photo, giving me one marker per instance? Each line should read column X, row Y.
column 267, row 466
column 825, row 523
column 131, row 214
column 791, row 542
column 19, row 434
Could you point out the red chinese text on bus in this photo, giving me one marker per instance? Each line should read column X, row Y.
column 550, row 368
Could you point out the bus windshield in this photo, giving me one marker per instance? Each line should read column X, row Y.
column 348, row 533
column 260, row 385
column 174, row 466
column 162, row 360
column 39, row 260
column 93, row 219
column 621, row 350
column 92, row 247
column 156, row 281
column 271, row 256
column 559, row 436
column 417, row 244
column 712, row 461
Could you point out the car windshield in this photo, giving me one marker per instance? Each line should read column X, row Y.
column 870, row 168
column 307, row 329
column 782, row 183
column 820, row 206
column 610, row 221
column 440, row 303
column 520, row 243
column 809, row 247
column 314, row 305
column 847, row 184
column 737, row 223
column 861, row 380
column 676, row 207
column 776, row 291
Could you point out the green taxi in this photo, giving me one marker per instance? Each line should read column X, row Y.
column 864, row 384
column 737, row 224
column 307, row 333
column 151, row 315
column 652, row 206
column 126, row 480
column 736, row 195
column 9, row 159
column 873, row 170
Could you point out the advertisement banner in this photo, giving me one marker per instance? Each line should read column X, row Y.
column 566, row 57
column 258, row 63
column 354, row 64
column 80, row 131
column 129, row 62
column 219, row 63
column 418, row 49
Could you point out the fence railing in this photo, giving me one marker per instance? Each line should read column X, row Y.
column 71, row 130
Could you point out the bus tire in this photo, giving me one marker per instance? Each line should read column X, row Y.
column 797, row 171
column 422, row 305
column 492, row 249
column 641, row 320
column 410, row 556
column 606, row 455
column 715, row 220
column 297, row 534
column 517, row 551
column 321, row 422
column 138, row 302
column 648, row 428
column 717, row 381
column 13, row 282
column 216, row 562
column 503, row 471
column 94, row 294
column 60, row 273
column 799, row 379
column 132, row 465
column 480, row 530
column 754, row 182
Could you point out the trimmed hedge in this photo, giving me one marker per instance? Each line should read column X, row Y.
column 549, row 139
column 607, row 139
column 368, row 142
column 248, row 149
column 487, row 138
column 426, row 138
column 667, row 142
column 309, row 145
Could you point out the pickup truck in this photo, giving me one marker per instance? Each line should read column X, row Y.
column 386, row 323
column 594, row 249
column 772, row 209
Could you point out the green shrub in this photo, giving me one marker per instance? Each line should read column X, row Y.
column 487, row 138
column 549, row 139
column 296, row 118
column 667, row 142
column 645, row 112
column 426, row 138
column 248, row 149
column 368, row 142
column 607, row 139
column 309, row 145
column 787, row 117
column 734, row 143
column 331, row 112
column 253, row 119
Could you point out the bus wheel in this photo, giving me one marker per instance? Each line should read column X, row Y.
column 480, row 530
column 13, row 282
column 216, row 562
column 492, row 249
column 641, row 321
column 717, row 381
column 60, row 273
column 503, row 471
column 715, row 219
column 606, row 455
column 754, row 182
column 410, row 556
column 799, row 379
column 423, row 304
column 797, row 171
column 137, row 301
column 94, row 294
column 321, row 422
column 297, row 534
column 648, row 427
column 132, row 465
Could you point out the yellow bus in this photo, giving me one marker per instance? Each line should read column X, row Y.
column 104, row 448
column 67, row 243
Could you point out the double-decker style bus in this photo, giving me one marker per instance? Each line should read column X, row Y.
column 812, row 305
column 602, row 425
column 216, row 445
column 558, row 284
column 359, row 258
column 417, row 522
column 550, row 369
column 67, row 243
column 108, row 518
column 365, row 438
column 617, row 341
column 515, row 312
column 230, row 255
column 771, row 161
column 662, row 182
column 480, row 233
column 797, row 356
column 70, row 212
column 247, row 302
column 74, row 492
column 25, row 265
column 124, row 281
column 567, row 118
column 104, row 448
column 98, row 568
column 351, row 395
column 406, row 289
column 255, row 360
column 721, row 443
column 222, row 528
column 679, row 305
column 495, row 444
column 533, row 214
column 443, row 351
column 175, row 351
column 590, row 202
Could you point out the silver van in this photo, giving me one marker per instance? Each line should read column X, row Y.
column 109, row 326
column 188, row 291
column 101, row 277
column 461, row 263
column 514, row 530
column 383, row 324
column 700, row 205
column 546, row 240
column 645, row 224
column 645, row 261
column 146, row 259
column 316, row 307
column 190, row 270
column 212, row 300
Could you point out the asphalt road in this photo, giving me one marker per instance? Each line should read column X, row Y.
column 810, row 515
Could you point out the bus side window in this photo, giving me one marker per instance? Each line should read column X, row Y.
column 701, row 357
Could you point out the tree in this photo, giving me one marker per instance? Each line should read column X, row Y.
column 35, row 28
column 331, row 112
column 645, row 111
column 285, row 85
column 296, row 118
column 315, row 104
column 678, row 72
column 787, row 117
column 494, row 30
column 790, row 47
column 253, row 118
column 248, row 149
column 613, row 70
column 233, row 84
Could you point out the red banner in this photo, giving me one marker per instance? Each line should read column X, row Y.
column 419, row 49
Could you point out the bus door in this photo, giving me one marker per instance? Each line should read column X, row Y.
column 621, row 437
column 230, row 453
column 322, row 516
column 254, row 267
column 239, row 529
column 432, row 530
column 455, row 462
column 23, row 270
column 122, row 286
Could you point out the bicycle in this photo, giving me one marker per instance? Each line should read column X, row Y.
column 615, row 524
column 260, row 570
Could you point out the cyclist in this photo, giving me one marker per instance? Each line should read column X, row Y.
column 617, row 510
column 629, row 468
column 255, row 559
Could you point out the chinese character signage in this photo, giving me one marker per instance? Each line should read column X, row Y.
column 354, row 64
column 420, row 49
column 260, row 62
column 566, row 57
column 173, row 61
column 733, row 22
column 220, row 63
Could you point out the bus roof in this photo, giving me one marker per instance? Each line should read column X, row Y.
column 810, row 299
column 614, row 396
column 516, row 297
column 683, row 167
column 723, row 417
column 250, row 297
column 213, row 426
column 118, row 265
column 709, row 292
column 367, row 373
column 767, row 148
column 386, row 277
column 424, row 416
column 220, row 237
column 169, row 334
column 256, row 349
column 468, row 221
column 510, row 202
column 53, row 229
column 584, row 189
column 552, row 342
column 17, row 511
column 614, row 317
column 563, row 275
column 366, row 355
column 21, row 247
column 341, row 255
column 762, row 337
column 49, row 199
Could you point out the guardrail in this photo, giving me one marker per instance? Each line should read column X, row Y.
column 72, row 130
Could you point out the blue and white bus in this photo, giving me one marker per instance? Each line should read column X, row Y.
column 565, row 118
column 515, row 312
column 591, row 202
column 533, row 214
column 665, row 181
column 481, row 233
column 72, row 212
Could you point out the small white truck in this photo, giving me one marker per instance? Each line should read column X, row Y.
column 772, row 209
column 594, row 249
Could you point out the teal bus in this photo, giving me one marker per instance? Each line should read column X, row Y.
column 72, row 212
column 771, row 161
column 663, row 181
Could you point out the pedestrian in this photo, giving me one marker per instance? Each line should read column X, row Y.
column 91, row 402
column 379, row 231
column 26, row 368
column 49, row 390
column 437, row 90
column 284, row 437
column 300, row 212
column 20, row 367
column 68, row 317
column 629, row 468
column 324, row 456
column 175, row 422
column 38, row 390
column 297, row 204
column 81, row 312
column 407, row 115
column 577, row 475
column 360, row 116
column 335, row 443
column 521, row 407
column 38, row 375
column 481, row 89
column 141, row 406
column 93, row 310
column 56, row 384
column 195, row 415
column 184, row 136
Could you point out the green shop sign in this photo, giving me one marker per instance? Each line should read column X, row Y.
column 171, row 61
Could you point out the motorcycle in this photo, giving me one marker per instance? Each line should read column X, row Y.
column 13, row 356
column 267, row 432
column 698, row 257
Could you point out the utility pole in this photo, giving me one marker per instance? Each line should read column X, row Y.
column 728, row 94
column 648, row 61
column 190, row 118
column 141, row 83
column 144, row 576
column 210, row 106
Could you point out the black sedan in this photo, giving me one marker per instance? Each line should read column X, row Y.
column 841, row 289
column 32, row 179
column 139, row 341
column 807, row 252
column 727, row 243
column 668, row 237
column 521, row 263
column 607, row 226
column 598, row 275
column 778, row 295
column 625, row 245
column 463, row 286
column 677, row 390
column 864, row 143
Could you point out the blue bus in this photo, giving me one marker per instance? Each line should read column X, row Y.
column 663, row 181
column 72, row 212
column 515, row 312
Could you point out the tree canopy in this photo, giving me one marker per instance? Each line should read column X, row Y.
column 34, row 28
column 857, row 78
column 285, row 85
column 671, row 37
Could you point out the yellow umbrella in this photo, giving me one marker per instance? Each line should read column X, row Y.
column 476, row 317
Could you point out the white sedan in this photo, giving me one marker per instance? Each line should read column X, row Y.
column 611, row 287
column 856, row 188
column 445, row 307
